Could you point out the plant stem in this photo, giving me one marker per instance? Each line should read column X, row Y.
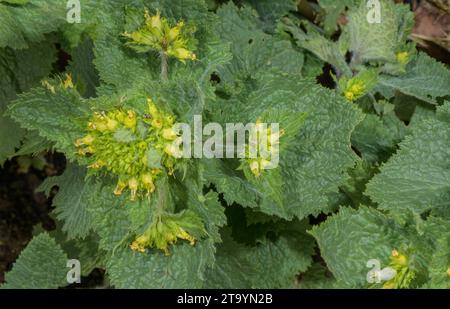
column 164, row 66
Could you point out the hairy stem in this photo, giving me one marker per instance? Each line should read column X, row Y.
column 164, row 66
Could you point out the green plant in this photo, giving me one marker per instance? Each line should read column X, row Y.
column 369, row 157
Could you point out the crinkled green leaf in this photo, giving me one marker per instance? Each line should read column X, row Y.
column 59, row 116
column 376, row 138
column 425, row 79
column 438, row 228
column 82, row 69
column 41, row 265
column 309, row 169
column 72, row 200
column 184, row 268
column 270, row 11
column 20, row 70
column 417, row 177
column 377, row 41
column 241, row 266
column 313, row 41
column 317, row 277
column 254, row 51
column 23, row 24
column 333, row 10
column 349, row 239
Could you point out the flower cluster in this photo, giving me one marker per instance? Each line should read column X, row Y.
column 167, row 228
column 354, row 90
column 158, row 35
column 404, row 275
column 359, row 85
column 402, row 57
column 136, row 149
column 262, row 146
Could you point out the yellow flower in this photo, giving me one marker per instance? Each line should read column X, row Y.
column 173, row 150
column 398, row 258
column 167, row 228
column 153, row 110
column 182, row 54
column 355, row 89
column 404, row 274
column 133, row 184
column 47, row 85
column 182, row 234
column 157, row 123
column 121, row 185
column 87, row 140
column 254, row 168
column 130, row 121
column 175, row 31
column 68, row 83
column 129, row 161
column 169, row 134
column 448, row 271
column 402, row 57
column 97, row 164
column 157, row 34
column 85, row 151
column 147, row 182
column 139, row 244
column 154, row 21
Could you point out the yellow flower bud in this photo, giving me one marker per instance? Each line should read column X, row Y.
column 182, row 234
column 355, row 89
column 121, row 185
column 120, row 116
column 169, row 120
column 130, row 121
column 173, row 150
column 264, row 163
column 68, row 83
column 389, row 285
column 87, row 140
column 155, row 21
column 47, row 85
column 111, row 124
column 349, row 96
column 102, row 127
column 175, row 31
column 183, row 54
column 169, row 134
column 152, row 109
column 254, row 167
column 157, row 123
column 147, row 181
column 85, row 151
column 139, row 244
column 96, row 165
column 402, row 57
column 133, row 184
column 398, row 258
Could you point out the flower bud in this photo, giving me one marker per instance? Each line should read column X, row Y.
column 133, row 184
column 121, row 185
column 169, row 134
column 254, row 168
column 130, row 121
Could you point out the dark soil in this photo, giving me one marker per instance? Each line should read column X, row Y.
column 21, row 207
